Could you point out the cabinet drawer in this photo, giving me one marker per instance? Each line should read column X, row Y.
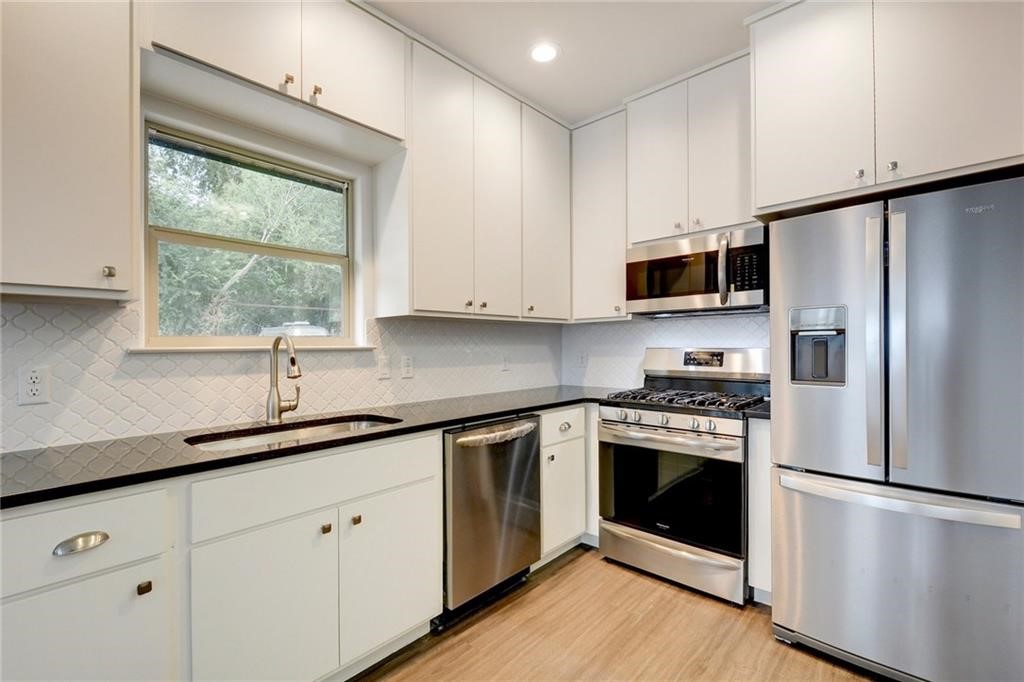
column 557, row 427
column 233, row 503
column 136, row 526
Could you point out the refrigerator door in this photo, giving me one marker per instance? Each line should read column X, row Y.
column 956, row 280
column 827, row 341
column 925, row 584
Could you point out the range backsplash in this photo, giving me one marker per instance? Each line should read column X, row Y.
column 100, row 391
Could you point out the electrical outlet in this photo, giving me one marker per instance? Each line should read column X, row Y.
column 581, row 360
column 383, row 367
column 33, row 385
column 505, row 366
column 407, row 371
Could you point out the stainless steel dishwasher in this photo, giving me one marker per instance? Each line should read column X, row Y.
column 492, row 505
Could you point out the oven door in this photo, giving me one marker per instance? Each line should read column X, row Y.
column 673, row 504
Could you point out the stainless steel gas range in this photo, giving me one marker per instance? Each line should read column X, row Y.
column 672, row 471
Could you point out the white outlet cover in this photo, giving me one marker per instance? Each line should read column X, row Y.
column 33, row 385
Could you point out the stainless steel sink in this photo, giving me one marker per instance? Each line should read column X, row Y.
column 293, row 434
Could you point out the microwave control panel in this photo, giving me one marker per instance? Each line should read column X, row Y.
column 747, row 269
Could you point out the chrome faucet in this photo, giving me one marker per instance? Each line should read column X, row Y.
column 275, row 406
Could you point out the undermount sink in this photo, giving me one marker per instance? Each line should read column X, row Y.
column 291, row 434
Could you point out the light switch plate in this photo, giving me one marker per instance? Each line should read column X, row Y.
column 383, row 366
column 407, row 370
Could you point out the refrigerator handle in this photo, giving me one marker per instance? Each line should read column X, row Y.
column 898, row 339
column 875, row 341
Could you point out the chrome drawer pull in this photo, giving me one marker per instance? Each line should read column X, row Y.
column 81, row 542
column 564, row 426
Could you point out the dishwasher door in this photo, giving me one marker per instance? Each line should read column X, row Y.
column 492, row 505
column 925, row 584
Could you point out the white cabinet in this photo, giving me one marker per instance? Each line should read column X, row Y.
column 391, row 561
column 116, row 626
column 563, row 493
column 265, row 603
column 657, row 164
column 949, row 85
column 442, row 184
column 719, row 146
column 759, row 507
column 813, row 101
column 546, row 220
column 67, row 148
column 353, row 64
column 497, row 202
column 599, row 219
column 259, row 41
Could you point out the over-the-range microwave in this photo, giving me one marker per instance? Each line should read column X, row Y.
column 714, row 273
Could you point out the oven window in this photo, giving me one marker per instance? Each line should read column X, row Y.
column 687, row 275
column 694, row 500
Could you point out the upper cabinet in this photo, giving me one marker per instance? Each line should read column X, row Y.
column 970, row 107
column 848, row 95
column 599, row 219
column 67, row 149
column 546, row 219
column 719, row 143
column 657, row 164
column 330, row 54
column 813, row 101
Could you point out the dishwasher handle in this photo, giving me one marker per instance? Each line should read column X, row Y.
column 494, row 437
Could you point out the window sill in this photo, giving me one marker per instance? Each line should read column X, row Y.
column 159, row 350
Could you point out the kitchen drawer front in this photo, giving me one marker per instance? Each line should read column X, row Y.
column 558, row 427
column 136, row 527
column 233, row 503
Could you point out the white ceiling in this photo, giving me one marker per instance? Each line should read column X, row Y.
column 609, row 50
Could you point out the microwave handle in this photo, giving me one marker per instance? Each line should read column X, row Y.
column 723, row 284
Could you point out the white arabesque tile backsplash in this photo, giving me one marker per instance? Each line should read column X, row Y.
column 101, row 391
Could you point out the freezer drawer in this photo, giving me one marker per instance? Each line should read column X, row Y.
column 929, row 585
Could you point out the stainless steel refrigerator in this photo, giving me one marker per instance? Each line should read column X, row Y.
column 897, row 335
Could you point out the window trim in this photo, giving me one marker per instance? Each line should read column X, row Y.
column 155, row 234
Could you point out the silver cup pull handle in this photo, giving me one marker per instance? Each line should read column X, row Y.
column 564, row 426
column 81, row 543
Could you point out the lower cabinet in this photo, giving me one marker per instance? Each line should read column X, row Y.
column 563, row 493
column 116, row 626
column 265, row 603
column 390, row 566
column 759, row 506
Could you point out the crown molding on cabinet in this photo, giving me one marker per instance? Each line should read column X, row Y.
column 688, row 75
column 768, row 11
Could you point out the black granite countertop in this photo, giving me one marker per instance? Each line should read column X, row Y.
column 762, row 411
column 29, row 476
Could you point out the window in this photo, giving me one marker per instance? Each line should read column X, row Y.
column 240, row 247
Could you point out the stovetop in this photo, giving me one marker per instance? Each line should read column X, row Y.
column 714, row 400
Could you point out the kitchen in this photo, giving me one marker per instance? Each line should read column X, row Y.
column 692, row 354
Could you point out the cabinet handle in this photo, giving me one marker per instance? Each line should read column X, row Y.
column 892, row 165
column 530, row 309
column 289, row 79
column 144, row 588
column 696, row 222
column 81, row 542
column 618, row 308
column 326, row 528
column 317, row 90
column 469, row 303
column 564, row 426
column 109, row 271
column 678, row 226
column 551, row 458
column 859, row 173
column 357, row 519
column 483, row 304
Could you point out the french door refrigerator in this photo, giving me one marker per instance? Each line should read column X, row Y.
column 897, row 335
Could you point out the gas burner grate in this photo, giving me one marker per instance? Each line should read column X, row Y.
column 720, row 401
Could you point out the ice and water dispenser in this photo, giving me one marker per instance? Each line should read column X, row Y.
column 817, row 338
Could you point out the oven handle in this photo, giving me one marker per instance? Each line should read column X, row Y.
column 723, row 449
column 689, row 556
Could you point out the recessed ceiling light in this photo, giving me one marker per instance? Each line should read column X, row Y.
column 544, row 52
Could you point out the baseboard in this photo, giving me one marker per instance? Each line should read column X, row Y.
column 379, row 654
column 589, row 539
column 762, row 596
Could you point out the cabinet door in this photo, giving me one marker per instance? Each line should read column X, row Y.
column 546, row 220
column 96, row 629
column 67, row 141
column 497, row 201
column 442, row 183
column 390, row 565
column 357, row 61
column 265, row 603
column 259, row 41
column 563, row 493
column 599, row 219
column 813, row 101
column 656, row 168
column 759, row 504
column 970, row 107
column 719, row 144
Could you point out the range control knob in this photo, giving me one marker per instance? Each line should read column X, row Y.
column 663, row 419
column 636, row 416
column 711, row 426
column 694, row 423
column 623, row 415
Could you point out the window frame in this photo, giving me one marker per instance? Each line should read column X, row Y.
column 155, row 234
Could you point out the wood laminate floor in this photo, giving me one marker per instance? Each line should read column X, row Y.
column 586, row 618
